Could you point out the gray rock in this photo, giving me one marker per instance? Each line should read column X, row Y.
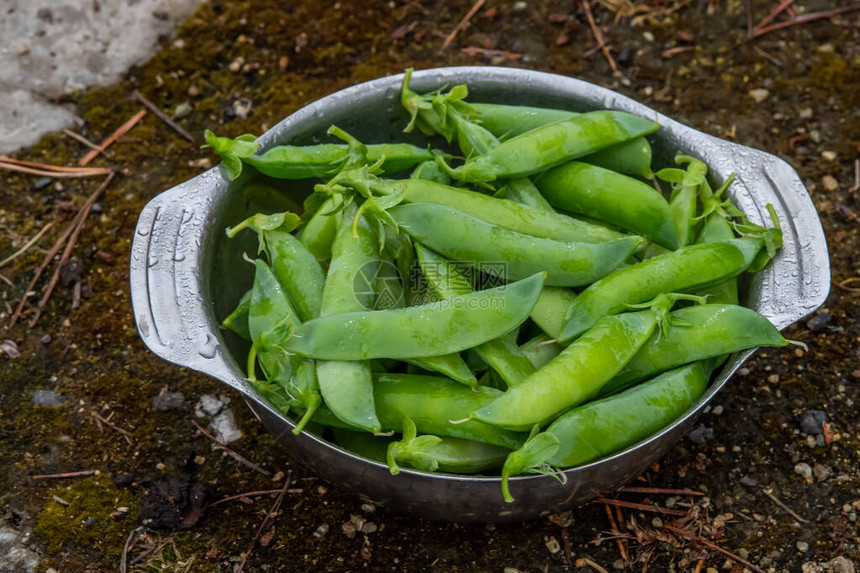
column 167, row 401
column 803, row 470
column 701, row 435
column 15, row 557
column 48, row 399
column 841, row 565
column 818, row 322
column 810, row 422
column 224, row 426
column 208, row 405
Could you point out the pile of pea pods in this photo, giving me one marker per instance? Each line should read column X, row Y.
column 534, row 300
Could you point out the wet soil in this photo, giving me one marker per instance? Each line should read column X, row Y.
column 793, row 92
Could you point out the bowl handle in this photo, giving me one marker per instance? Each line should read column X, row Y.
column 167, row 286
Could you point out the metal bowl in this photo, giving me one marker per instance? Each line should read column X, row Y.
column 185, row 277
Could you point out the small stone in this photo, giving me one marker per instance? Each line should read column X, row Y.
column 10, row 349
column 701, row 434
column 759, row 94
column 552, row 545
column 815, row 136
column 208, row 405
column 649, row 36
column 182, row 110
column 179, row 44
column 46, row 339
column 224, row 426
column 828, row 155
column 520, row 6
column 48, row 399
column 22, row 49
column 199, row 460
column 803, row 546
column 167, row 401
column 41, row 183
column 773, row 378
column 322, row 490
column 821, row 472
column 811, row 567
column 829, row 183
column 805, row 113
column 841, row 565
column 811, row 442
column 193, row 90
column 718, row 410
column 321, row 531
column 810, row 422
column 803, row 470
column 368, row 507
column 369, row 527
column 348, row 529
column 71, row 271
column 236, row 64
column 242, row 107
column 657, row 522
column 357, row 521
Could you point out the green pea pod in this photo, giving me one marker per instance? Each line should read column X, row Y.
column 508, row 254
column 366, row 445
column 439, row 407
column 603, row 427
column 237, row 321
column 320, row 231
column 611, row 197
column 699, row 332
column 717, row 229
column 430, row 171
column 293, row 264
column 631, row 157
column 512, row 215
column 686, row 269
column 574, row 376
column 347, row 385
column 553, row 144
column 500, row 354
column 684, row 198
column 540, row 350
column 434, row 453
column 419, row 331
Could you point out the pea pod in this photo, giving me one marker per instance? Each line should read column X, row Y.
column 700, row 332
column 631, row 157
column 500, row 354
column 433, row 453
column 419, row 331
column 684, row 198
column 540, row 350
column 574, row 376
column 606, row 426
column 309, row 161
column 550, row 309
column 552, row 144
column 717, row 229
column 237, row 321
column 439, row 407
column 610, row 197
column 347, row 385
column 293, row 264
column 686, row 269
column 321, row 229
column 461, row 237
column 537, row 222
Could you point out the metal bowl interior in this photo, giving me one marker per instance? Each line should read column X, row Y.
column 186, row 276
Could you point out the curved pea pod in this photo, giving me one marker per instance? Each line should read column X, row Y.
column 574, row 376
column 715, row 229
column 512, row 215
column 430, row 171
column 606, row 426
column 439, row 407
column 530, row 458
column 237, row 321
column 551, row 307
column 500, row 354
column 366, row 445
column 552, row 144
column 698, row 332
column 347, row 385
column 418, row 331
column 509, row 254
column 611, row 197
column 684, row 198
column 686, row 269
column 293, row 264
column 435, row 453
column 321, row 229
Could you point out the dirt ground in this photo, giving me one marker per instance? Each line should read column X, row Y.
column 776, row 457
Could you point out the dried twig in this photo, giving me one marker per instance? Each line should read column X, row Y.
column 773, row 14
column 129, row 543
column 29, row 244
column 53, row 169
column 856, row 176
column 640, row 506
column 246, row 494
column 81, row 139
column 233, row 454
column 10, row 166
column 706, row 543
column 6, row 280
column 622, row 544
column 129, row 437
column 476, row 51
column 270, row 516
column 803, row 19
column 162, row 116
column 462, row 24
column 122, row 130
column 774, row 499
column 844, row 284
column 82, row 473
column 586, row 562
column 80, row 219
column 598, row 35
column 658, row 490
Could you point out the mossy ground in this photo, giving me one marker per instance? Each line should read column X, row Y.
column 282, row 55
